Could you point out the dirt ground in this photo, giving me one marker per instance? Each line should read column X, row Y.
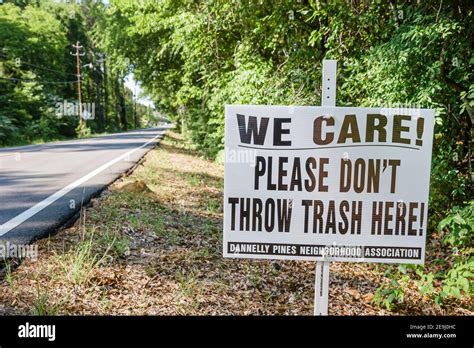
column 152, row 245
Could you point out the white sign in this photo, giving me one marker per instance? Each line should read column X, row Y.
column 327, row 183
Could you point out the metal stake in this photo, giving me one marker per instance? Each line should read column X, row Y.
column 321, row 283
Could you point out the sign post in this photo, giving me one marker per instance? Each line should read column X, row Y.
column 321, row 283
column 327, row 183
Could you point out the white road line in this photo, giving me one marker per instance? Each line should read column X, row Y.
column 19, row 219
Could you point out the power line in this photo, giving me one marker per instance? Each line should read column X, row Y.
column 38, row 81
column 38, row 66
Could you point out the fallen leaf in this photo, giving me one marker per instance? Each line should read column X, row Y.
column 354, row 293
column 368, row 297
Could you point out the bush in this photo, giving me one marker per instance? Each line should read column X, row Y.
column 453, row 280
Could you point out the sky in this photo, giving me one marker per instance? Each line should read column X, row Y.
column 135, row 87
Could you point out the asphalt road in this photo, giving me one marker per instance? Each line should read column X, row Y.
column 43, row 186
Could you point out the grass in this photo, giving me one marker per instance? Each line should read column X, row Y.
column 9, row 274
column 79, row 263
column 194, row 180
column 41, row 306
column 190, row 290
column 187, row 283
column 214, row 206
column 116, row 245
column 77, row 266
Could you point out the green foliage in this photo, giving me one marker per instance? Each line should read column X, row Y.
column 389, row 296
column 38, row 73
column 393, row 293
column 459, row 226
column 200, row 56
column 193, row 57
column 455, row 280
column 83, row 132
column 32, row 44
column 459, row 231
column 118, row 245
column 459, row 279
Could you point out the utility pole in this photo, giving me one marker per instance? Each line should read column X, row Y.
column 78, row 55
column 135, row 105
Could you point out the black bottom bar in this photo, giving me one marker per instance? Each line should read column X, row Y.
column 291, row 331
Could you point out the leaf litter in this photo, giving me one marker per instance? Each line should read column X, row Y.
column 151, row 244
